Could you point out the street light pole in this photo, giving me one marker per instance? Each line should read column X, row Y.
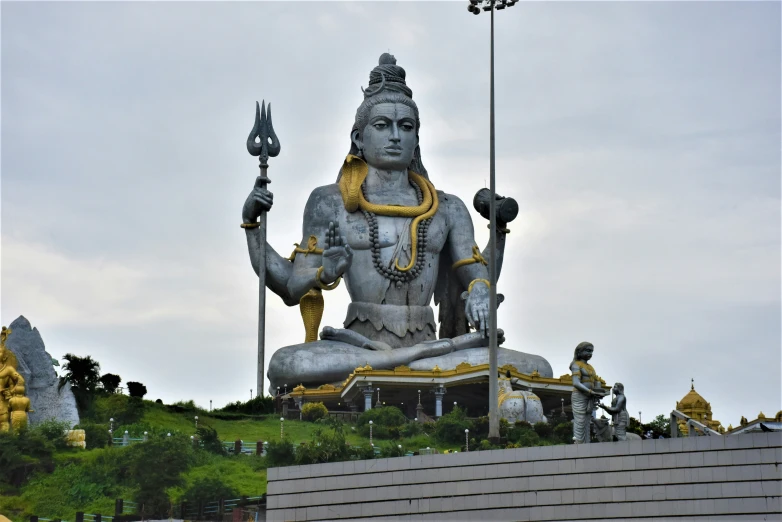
column 494, row 419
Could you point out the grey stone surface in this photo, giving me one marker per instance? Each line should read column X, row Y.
column 35, row 363
column 35, row 366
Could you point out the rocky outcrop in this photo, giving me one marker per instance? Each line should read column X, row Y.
column 37, row 369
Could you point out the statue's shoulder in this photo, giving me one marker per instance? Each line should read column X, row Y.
column 324, row 192
column 326, row 198
column 451, row 203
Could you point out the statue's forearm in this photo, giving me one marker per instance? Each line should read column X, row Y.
column 278, row 269
column 500, row 252
column 469, row 273
column 302, row 281
column 577, row 384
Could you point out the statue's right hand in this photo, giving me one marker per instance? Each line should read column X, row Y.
column 337, row 256
column 260, row 200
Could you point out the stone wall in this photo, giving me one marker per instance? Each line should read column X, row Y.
column 716, row 478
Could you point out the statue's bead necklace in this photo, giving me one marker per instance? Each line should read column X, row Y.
column 390, row 272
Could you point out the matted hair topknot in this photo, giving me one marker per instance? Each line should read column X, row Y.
column 387, row 76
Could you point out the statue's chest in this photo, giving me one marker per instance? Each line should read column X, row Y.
column 390, row 231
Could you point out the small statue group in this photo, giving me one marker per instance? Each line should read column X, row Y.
column 586, row 397
column 14, row 406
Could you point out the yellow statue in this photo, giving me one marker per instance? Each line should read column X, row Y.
column 20, row 407
column 9, row 379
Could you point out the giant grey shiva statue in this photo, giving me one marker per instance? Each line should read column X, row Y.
column 397, row 242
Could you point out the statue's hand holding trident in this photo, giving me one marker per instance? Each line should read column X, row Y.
column 261, row 142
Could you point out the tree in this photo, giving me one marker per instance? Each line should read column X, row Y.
column 82, row 372
column 136, row 389
column 157, row 465
column 110, row 382
column 659, row 426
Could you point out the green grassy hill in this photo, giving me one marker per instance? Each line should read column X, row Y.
column 70, row 480
column 40, row 475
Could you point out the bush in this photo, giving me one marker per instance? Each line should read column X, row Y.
column 207, row 489
column 258, row 405
column 324, row 447
column 524, row 438
column 123, row 409
column 450, row 427
column 158, row 465
column 480, row 428
column 136, row 389
column 280, row 453
column 363, row 452
column 543, row 429
column 209, row 440
column 378, row 432
column 385, row 416
column 524, row 435
column 564, row 432
column 54, row 432
column 411, row 429
column 313, row 411
column 392, row 450
column 96, row 435
column 22, row 455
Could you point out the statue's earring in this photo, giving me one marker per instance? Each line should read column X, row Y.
column 361, row 153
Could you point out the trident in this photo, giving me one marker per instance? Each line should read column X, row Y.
column 262, row 142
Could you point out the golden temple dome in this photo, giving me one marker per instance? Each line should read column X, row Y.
column 696, row 407
column 693, row 400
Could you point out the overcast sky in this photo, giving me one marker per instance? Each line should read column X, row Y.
column 642, row 141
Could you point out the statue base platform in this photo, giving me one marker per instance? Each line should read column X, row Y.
column 437, row 389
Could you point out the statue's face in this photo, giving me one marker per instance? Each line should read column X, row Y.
column 587, row 353
column 390, row 138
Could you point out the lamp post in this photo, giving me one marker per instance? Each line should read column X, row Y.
column 494, row 419
column 639, row 418
column 111, row 421
column 210, row 404
column 419, row 396
column 282, row 421
column 370, row 433
column 466, row 439
column 196, row 422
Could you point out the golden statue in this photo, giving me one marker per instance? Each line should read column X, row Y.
column 9, row 380
column 20, row 407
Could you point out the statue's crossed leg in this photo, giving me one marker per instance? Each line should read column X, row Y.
column 341, row 351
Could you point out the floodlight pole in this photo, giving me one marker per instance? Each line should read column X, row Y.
column 494, row 387
column 494, row 419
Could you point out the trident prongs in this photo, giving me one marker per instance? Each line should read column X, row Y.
column 268, row 144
